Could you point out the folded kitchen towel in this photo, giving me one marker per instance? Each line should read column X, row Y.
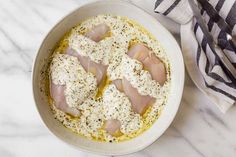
column 210, row 63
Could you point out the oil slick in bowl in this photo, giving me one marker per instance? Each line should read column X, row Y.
column 109, row 79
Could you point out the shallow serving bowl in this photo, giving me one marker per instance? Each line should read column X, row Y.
column 116, row 7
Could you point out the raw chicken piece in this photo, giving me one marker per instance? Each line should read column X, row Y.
column 139, row 102
column 150, row 62
column 95, row 68
column 139, row 52
column 112, row 126
column 118, row 84
column 98, row 32
column 57, row 94
column 156, row 68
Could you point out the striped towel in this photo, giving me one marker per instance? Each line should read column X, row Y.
column 206, row 64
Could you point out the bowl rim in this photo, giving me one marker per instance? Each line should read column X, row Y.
column 181, row 85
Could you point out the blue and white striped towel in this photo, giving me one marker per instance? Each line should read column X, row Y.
column 204, row 65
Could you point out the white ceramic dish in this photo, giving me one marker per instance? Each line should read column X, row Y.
column 167, row 41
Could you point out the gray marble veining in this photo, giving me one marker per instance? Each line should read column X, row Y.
column 199, row 129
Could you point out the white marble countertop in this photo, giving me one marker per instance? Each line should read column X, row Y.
column 199, row 128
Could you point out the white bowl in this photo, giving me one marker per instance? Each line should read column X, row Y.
column 116, row 7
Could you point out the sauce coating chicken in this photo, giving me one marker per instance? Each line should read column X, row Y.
column 96, row 34
column 150, row 62
column 99, row 70
column 157, row 70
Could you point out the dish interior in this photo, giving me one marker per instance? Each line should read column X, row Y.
column 104, row 102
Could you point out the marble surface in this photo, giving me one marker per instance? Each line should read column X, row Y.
column 199, row 129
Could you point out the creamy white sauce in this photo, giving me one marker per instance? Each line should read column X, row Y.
column 92, row 118
column 64, row 68
column 97, row 52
